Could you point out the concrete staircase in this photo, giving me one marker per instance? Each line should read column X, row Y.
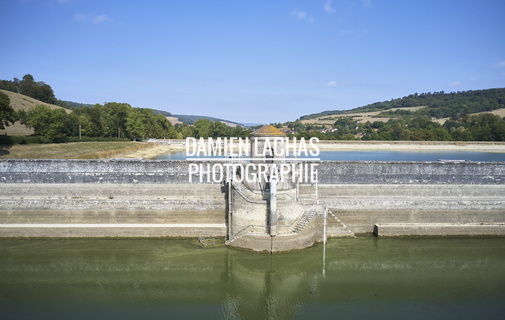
column 304, row 221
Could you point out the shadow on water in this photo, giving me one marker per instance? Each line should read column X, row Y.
column 361, row 278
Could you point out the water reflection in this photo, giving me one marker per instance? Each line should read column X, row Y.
column 386, row 278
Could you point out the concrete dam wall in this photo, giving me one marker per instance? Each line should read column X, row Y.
column 137, row 198
column 406, row 198
column 100, row 198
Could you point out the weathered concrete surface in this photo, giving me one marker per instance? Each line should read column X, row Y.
column 104, row 230
column 174, row 171
column 251, row 209
column 111, row 210
column 360, row 206
column 438, row 229
column 98, row 171
column 410, row 172
column 311, row 234
column 111, row 197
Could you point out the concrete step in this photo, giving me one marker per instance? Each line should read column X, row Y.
column 129, row 191
column 439, row 229
column 112, row 216
column 101, row 230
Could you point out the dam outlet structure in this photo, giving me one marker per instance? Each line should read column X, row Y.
column 266, row 213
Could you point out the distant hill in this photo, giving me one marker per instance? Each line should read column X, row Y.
column 190, row 119
column 174, row 118
column 438, row 104
column 165, row 113
column 22, row 102
column 72, row 105
column 41, row 93
column 248, row 124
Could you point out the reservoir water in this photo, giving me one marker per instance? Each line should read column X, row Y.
column 362, row 278
column 382, row 155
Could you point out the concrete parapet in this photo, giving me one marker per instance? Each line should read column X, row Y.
column 125, row 171
column 176, row 171
column 411, row 172
column 438, row 229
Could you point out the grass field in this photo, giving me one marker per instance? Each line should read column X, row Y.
column 73, row 150
column 22, row 102
column 361, row 117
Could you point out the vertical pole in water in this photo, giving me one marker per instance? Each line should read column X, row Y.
column 324, row 224
column 324, row 240
column 273, row 206
column 230, row 185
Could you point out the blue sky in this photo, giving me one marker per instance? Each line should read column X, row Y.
column 253, row 61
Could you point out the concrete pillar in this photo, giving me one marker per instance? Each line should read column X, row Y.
column 273, row 207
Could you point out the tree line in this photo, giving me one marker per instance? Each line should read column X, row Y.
column 109, row 121
column 478, row 127
column 118, row 120
column 29, row 87
column 439, row 104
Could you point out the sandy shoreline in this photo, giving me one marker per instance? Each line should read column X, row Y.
column 158, row 149
column 412, row 146
column 152, row 152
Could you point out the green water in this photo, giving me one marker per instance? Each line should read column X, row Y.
column 363, row 278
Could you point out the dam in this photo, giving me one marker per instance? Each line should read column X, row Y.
column 136, row 198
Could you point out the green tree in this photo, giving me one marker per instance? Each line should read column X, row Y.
column 16, row 83
column 240, row 132
column 102, row 124
column 47, row 122
column 85, row 125
column 118, row 113
column 219, row 129
column 26, row 85
column 203, row 128
column 7, row 114
column 187, row 131
column 23, row 118
column 37, row 90
column 167, row 129
column 136, row 124
column 297, row 126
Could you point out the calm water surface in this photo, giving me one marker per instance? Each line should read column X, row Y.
column 386, row 155
column 363, row 278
